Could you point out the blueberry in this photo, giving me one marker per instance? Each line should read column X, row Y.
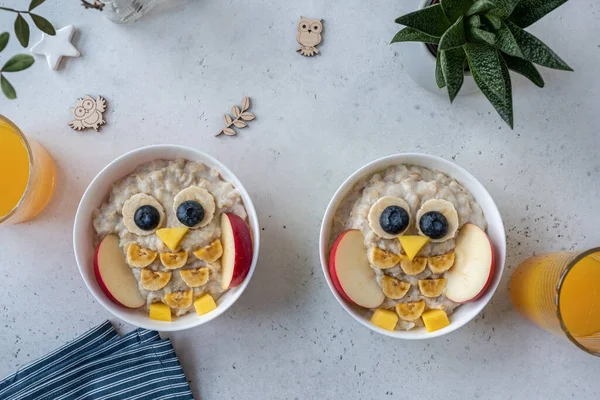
column 434, row 225
column 190, row 213
column 394, row 220
column 146, row 218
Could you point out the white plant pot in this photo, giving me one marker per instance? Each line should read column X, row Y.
column 419, row 62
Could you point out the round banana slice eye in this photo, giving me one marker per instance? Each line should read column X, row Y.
column 194, row 207
column 438, row 220
column 389, row 217
column 142, row 214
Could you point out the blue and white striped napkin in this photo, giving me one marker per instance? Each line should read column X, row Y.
column 101, row 364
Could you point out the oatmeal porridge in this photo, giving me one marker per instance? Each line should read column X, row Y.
column 168, row 217
column 410, row 220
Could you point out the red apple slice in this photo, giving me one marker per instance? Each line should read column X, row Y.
column 473, row 268
column 114, row 275
column 237, row 250
column 351, row 273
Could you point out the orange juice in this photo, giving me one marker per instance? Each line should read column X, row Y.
column 579, row 300
column 560, row 292
column 27, row 175
column 14, row 167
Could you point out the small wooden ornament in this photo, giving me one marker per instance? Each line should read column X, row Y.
column 240, row 117
column 309, row 36
column 88, row 113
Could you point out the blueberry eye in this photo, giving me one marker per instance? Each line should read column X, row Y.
column 147, row 218
column 434, row 225
column 394, row 219
column 190, row 213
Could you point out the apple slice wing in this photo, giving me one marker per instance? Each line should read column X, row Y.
column 237, row 250
column 473, row 267
column 114, row 276
column 351, row 273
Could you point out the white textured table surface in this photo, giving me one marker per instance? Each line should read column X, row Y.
column 170, row 77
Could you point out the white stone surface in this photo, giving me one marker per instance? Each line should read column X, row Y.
column 171, row 76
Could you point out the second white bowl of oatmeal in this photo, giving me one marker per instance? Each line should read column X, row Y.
column 495, row 231
column 96, row 194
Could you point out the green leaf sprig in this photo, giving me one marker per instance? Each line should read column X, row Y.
column 22, row 27
column 17, row 63
column 488, row 36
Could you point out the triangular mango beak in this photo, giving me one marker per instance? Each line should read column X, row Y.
column 412, row 244
column 172, row 236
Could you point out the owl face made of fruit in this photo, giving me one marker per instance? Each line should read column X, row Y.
column 309, row 35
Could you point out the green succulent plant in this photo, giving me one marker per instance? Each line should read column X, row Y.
column 487, row 37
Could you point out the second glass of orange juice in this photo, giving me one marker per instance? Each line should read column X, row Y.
column 27, row 175
column 560, row 292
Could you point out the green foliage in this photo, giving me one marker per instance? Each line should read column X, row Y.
column 454, row 36
column 22, row 30
column 453, row 68
column 22, row 27
column 525, row 68
column 491, row 75
column 413, row 35
column 17, row 63
column 430, row 20
column 527, row 12
column 3, row 40
column 488, row 37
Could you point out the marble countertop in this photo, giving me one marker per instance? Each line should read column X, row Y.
column 170, row 77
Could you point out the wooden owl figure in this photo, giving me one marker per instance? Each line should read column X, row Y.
column 309, row 36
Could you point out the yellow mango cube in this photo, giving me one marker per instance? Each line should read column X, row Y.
column 172, row 236
column 412, row 245
column 435, row 320
column 160, row 312
column 204, row 304
column 386, row 319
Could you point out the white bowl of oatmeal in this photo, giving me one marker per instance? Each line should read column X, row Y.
column 175, row 258
column 416, row 183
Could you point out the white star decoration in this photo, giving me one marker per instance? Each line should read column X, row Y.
column 56, row 47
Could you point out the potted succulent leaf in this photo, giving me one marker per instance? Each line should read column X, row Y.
column 487, row 39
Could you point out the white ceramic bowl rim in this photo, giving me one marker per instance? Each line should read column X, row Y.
column 465, row 312
column 96, row 194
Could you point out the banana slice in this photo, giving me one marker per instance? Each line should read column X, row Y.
column 174, row 260
column 447, row 210
column 382, row 259
column 378, row 208
column 410, row 311
column 441, row 264
column 180, row 299
column 200, row 195
column 131, row 206
column 413, row 267
column 393, row 288
column 432, row 287
column 154, row 280
column 195, row 277
column 210, row 253
column 140, row 257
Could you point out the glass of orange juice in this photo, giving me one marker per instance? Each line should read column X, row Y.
column 27, row 175
column 560, row 292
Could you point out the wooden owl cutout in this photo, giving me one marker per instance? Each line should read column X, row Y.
column 88, row 113
column 309, row 36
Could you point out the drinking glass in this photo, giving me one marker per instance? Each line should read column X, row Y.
column 560, row 292
column 124, row 11
column 27, row 175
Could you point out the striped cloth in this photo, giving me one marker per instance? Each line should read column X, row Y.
column 101, row 364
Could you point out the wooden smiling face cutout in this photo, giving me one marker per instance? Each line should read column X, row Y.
column 88, row 113
column 309, row 36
